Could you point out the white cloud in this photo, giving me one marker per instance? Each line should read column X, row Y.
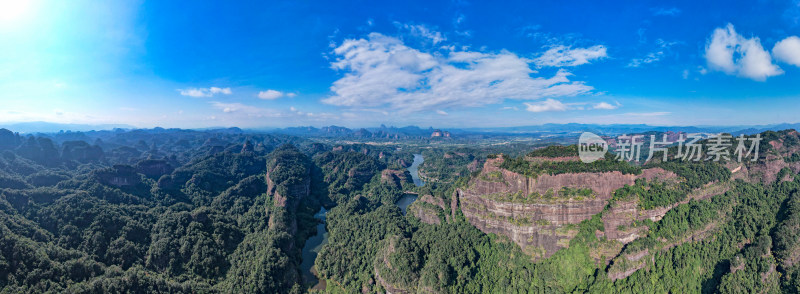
column 382, row 72
column 605, row 106
column 546, row 105
column 459, row 19
column 650, row 58
column 270, row 94
column 733, row 54
column 215, row 90
column 555, row 105
column 441, row 112
column 194, row 92
column 561, row 56
column 248, row 110
column 422, row 31
column 655, row 56
column 205, row 92
column 788, row 50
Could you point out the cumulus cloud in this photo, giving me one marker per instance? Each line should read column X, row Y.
column 605, row 106
column 562, row 56
column 205, row 92
column 270, row 94
column 788, row 50
column 382, row 71
column 216, row 90
column 733, row 54
column 546, row 105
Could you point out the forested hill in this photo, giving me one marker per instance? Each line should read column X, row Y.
column 167, row 210
column 226, row 211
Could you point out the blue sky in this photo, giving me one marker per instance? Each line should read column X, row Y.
column 428, row 63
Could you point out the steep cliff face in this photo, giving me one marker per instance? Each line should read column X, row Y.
column 395, row 177
column 618, row 219
column 430, row 210
column 154, row 168
column 778, row 153
column 506, row 203
column 288, row 180
column 118, row 176
column 289, row 193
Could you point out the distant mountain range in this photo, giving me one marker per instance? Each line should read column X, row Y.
column 411, row 132
column 49, row 127
column 616, row 129
column 546, row 129
column 343, row 132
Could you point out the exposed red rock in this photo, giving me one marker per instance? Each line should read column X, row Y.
column 539, row 226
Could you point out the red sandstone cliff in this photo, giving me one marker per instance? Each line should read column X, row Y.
column 541, row 226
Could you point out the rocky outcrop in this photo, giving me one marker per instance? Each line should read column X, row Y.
column 617, row 220
column 430, row 210
column 288, row 180
column 395, row 177
column 154, row 168
column 631, row 260
column 542, row 225
column 81, row 151
column 288, row 194
column 629, row 263
column 41, row 150
column 8, row 140
column 118, row 176
column 247, row 147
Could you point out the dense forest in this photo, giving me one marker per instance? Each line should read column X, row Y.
column 227, row 211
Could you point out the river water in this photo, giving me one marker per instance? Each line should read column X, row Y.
column 314, row 243
column 414, row 170
column 312, row 247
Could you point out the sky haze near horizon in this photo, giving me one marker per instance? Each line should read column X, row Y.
column 360, row 64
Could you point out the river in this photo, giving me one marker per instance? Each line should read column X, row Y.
column 311, row 249
column 314, row 243
column 409, row 198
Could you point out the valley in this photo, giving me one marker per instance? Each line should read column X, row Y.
column 213, row 211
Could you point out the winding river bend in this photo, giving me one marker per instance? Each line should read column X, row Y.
column 407, row 199
column 314, row 243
